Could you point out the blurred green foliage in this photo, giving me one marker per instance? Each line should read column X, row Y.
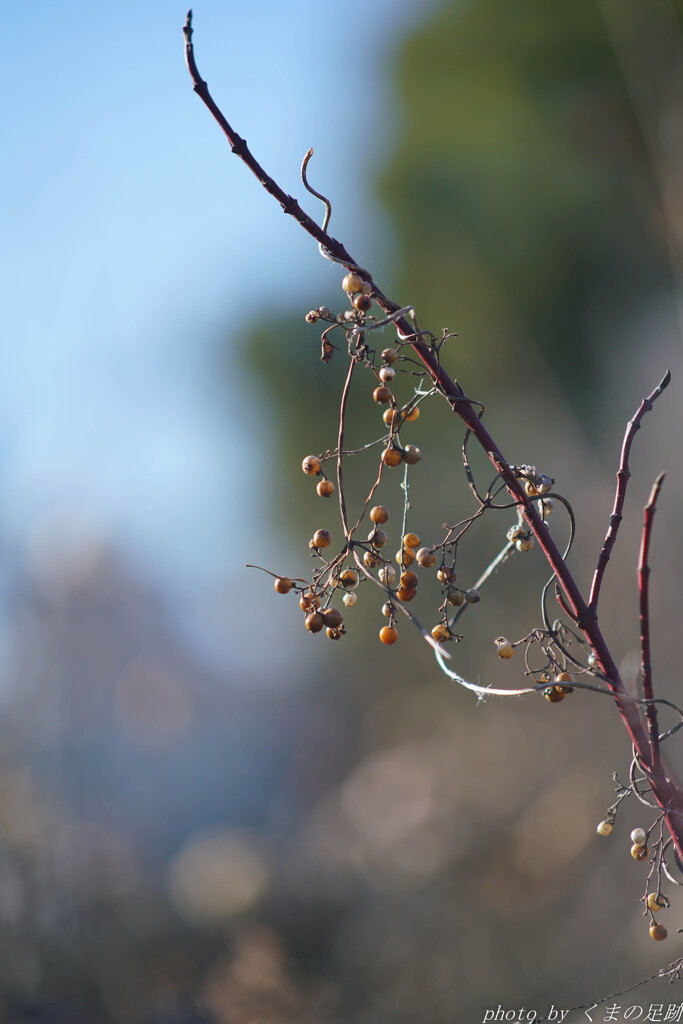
column 520, row 187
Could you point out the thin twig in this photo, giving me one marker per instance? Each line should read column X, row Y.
column 644, row 595
column 623, row 477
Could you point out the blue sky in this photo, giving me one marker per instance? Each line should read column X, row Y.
column 131, row 234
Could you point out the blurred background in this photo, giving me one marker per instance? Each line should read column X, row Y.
column 207, row 814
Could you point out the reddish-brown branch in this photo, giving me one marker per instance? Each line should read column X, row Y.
column 623, row 477
column 644, row 596
column 669, row 797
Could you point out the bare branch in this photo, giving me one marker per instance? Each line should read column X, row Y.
column 623, row 477
column 643, row 592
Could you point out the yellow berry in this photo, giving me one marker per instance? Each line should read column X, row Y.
column 426, row 558
column 655, row 902
column 352, row 283
column 605, row 827
column 441, row 633
column 639, row 852
column 412, row 414
column 504, row 648
column 311, row 465
column 325, row 488
column 658, row 932
column 371, row 560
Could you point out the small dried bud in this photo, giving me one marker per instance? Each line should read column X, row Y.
column 516, row 533
column 312, row 317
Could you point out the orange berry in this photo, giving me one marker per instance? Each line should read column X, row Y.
column 553, row 694
column 392, row 416
column 658, row 932
column 388, row 635
column 283, row 584
column 377, row 538
column 325, row 488
column 655, row 902
column 332, row 617
column 564, row 678
column 389, row 355
column 412, row 414
column 311, row 465
column 379, row 514
column 409, row 579
column 391, row 457
column 405, row 556
column 309, row 602
column 334, row 634
column 348, row 579
column 321, row 539
column 441, row 633
column 411, row 540
column 406, row 593
column 362, row 302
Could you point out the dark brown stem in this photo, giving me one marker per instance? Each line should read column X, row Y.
column 623, row 477
column 644, row 595
column 668, row 796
